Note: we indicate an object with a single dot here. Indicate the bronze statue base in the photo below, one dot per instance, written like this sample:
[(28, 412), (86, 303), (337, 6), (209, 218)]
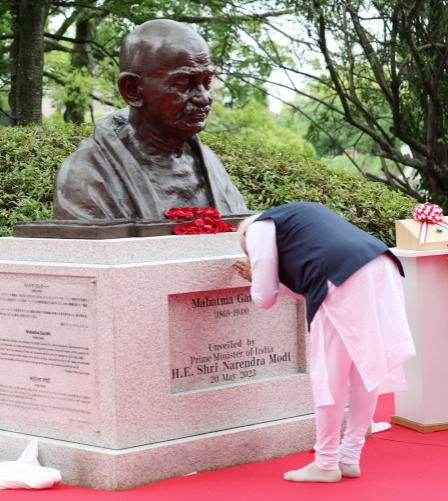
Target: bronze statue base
[(101, 229)]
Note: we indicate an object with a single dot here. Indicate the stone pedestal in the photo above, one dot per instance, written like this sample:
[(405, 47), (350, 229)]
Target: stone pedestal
[(424, 407), (138, 359)]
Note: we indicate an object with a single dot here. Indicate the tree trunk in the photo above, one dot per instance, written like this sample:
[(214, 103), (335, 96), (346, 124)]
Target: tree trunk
[(27, 60)]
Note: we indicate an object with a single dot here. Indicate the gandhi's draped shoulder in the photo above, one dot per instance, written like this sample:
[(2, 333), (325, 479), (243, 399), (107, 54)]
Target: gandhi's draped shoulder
[(102, 180)]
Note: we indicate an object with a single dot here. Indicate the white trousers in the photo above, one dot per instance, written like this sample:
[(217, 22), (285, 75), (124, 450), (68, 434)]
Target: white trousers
[(345, 381), (359, 340)]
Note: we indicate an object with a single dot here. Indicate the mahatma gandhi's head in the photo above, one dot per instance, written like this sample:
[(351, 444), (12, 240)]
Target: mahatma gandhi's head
[(166, 74)]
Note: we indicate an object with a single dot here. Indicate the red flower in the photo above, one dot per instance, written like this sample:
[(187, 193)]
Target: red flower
[(208, 212), (204, 221), (187, 229), (180, 213)]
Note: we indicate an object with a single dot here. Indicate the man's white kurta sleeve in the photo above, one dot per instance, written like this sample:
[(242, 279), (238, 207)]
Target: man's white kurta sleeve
[(263, 255)]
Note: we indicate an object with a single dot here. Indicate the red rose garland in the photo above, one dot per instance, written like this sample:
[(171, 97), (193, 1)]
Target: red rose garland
[(428, 214), (203, 221)]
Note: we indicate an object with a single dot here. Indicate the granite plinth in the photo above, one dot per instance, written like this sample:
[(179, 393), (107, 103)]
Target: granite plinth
[(107, 469), (133, 360)]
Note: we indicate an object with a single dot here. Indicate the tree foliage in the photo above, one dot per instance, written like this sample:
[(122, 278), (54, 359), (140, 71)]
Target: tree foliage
[(254, 124), (384, 77), (89, 34), (368, 73)]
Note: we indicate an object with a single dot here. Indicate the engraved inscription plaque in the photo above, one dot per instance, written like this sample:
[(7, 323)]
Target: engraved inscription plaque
[(48, 350), (221, 337)]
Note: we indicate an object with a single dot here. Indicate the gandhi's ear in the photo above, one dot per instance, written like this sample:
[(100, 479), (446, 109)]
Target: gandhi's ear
[(129, 85)]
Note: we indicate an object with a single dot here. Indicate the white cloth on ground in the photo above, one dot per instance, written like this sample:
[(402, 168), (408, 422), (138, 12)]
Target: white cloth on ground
[(26, 472)]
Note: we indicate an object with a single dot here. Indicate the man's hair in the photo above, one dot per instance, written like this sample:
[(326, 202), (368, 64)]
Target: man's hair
[(243, 227)]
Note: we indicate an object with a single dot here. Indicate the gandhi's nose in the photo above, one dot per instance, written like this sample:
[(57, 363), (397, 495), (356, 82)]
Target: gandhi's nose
[(202, 96)]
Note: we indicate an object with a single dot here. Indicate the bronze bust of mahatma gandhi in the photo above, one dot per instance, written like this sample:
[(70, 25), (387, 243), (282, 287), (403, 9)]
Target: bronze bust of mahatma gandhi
[(145, 160)]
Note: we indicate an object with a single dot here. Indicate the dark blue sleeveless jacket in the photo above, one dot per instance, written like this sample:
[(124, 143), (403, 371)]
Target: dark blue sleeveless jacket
[(315, 245)]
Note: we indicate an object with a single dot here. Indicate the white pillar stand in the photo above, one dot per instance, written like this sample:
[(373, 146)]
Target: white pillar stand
[(424, 407)]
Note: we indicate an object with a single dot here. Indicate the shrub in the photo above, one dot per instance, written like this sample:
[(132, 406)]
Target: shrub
[(30, 157), (267, 178)]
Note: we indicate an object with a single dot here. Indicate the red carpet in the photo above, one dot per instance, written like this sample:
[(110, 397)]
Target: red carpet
[(397, 464)]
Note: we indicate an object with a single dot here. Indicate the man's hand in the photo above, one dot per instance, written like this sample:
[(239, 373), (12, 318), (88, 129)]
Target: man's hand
[(242, 266)]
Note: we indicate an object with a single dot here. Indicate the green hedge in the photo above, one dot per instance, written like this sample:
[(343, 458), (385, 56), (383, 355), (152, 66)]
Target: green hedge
[(29, 160), (268, 178), (30, 157)]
